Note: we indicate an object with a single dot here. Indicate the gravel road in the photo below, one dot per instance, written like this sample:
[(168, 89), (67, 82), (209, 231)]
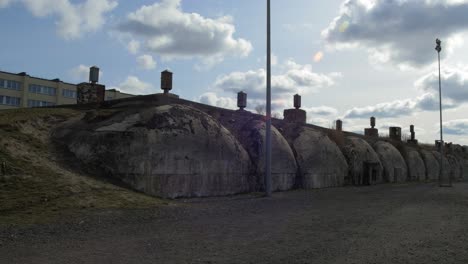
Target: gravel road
[(406, 223)]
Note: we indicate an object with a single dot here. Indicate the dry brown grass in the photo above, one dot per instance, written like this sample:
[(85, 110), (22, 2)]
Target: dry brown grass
[(36, 188)]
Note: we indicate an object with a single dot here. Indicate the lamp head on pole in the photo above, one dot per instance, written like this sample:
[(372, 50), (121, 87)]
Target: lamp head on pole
[(438, 47)]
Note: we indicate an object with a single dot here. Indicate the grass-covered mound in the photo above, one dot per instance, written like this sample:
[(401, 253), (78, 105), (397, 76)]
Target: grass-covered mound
[(35, 185)]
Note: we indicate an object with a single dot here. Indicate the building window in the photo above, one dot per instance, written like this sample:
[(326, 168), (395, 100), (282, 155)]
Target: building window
[(108, 98), (39, 89), (9, 100), (36, 103), (69, 93), (12, 85)]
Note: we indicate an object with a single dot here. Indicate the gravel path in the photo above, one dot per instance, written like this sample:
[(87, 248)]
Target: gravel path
[(408, 223)]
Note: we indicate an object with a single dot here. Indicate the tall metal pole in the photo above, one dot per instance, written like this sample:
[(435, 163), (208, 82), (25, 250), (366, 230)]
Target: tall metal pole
[(268, 109), (441, 184), (441, 131)]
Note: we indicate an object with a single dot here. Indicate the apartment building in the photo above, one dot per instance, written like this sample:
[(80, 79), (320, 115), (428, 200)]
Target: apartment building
[(21, 90)]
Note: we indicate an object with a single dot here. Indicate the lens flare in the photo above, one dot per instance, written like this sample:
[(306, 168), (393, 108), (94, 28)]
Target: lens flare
[(344, 26), (318, 56)]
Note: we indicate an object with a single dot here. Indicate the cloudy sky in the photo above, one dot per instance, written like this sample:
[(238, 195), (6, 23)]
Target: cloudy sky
[(348, 59)]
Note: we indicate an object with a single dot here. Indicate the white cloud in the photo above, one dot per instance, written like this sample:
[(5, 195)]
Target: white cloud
[(173, 34), (80, 73), (133, 85), (402, 32), (385, 126), (388, 109), (146, 62), (74, 18), (418, 131), (321, 111), (4, 3), (214, 100), (454, 83), (320, 121), (274, 60), (295, 78), (133, 46), (456, 127), (399, 108)]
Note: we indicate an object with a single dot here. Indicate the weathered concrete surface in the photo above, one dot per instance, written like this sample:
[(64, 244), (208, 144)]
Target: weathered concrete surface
[(447, 169), (394, 165), (295, 116), (432, 165), (358, 152), (119, 141), (168, 151), (283, 164), (249, 129), (465, 169), (320, 162), (90, 93), (416, 166), (456, 169)]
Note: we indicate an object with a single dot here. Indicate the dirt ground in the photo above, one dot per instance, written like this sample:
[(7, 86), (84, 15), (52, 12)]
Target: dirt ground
[(406, 223)]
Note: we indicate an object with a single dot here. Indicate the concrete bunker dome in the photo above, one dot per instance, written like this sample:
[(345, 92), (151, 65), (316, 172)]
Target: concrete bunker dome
[(446, 164), (320, 161), (364, 165), (465, 169), (394, 165), (432, 165), (456, 167), (464, 166), (416, 165), (168, 151), (283, 166)]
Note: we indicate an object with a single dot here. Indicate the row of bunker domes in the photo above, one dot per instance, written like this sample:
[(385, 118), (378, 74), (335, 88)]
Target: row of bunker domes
[(175, 151)]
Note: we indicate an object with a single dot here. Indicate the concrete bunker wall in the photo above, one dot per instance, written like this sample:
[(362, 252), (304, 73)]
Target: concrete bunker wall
[(464, 163), (320, 162), (416, 165), (364, 165), (168, 151), (251, 134), (189, 149), (446, 164), (394, 165), (432, 165), (456, 168)]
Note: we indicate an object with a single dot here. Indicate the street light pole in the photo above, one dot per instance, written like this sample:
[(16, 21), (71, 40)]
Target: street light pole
[(441, 184), (268, 109)]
